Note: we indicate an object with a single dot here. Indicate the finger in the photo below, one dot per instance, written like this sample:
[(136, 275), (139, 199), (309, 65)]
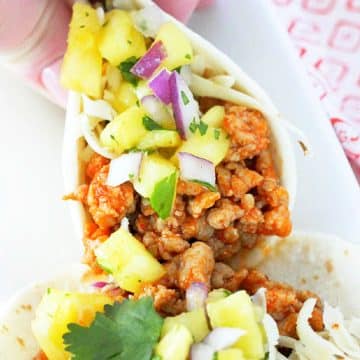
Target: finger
[(50, 78), (205, 3), (182, 10)]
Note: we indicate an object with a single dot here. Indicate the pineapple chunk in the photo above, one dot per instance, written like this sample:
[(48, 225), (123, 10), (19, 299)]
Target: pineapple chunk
[(237, 311), (160, 139), (124, 97), (175, 345), (212, 146), (214, 116), (230, 354), (217, 294), (118, 39), (195, 321), (127, 259), (154, 168), (56, 310), (178, 47), (125, 131), (82, 65)]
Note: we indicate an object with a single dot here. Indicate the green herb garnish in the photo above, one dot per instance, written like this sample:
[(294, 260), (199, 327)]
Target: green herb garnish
[(112, 137), (206, 184), (184, 98), (188, 56), (217, 134), (150, 124), (202, 127), (127, 330), (125, 68), (129, 42), (163, 196), (193, 126)]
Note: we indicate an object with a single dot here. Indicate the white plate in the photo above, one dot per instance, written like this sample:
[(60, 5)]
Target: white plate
[(35, 230)]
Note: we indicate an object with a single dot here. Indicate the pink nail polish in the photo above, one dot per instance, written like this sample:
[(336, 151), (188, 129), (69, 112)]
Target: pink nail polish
[(51, 81)]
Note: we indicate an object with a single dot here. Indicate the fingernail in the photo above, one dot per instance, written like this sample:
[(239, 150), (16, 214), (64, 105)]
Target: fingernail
[(50, 79)]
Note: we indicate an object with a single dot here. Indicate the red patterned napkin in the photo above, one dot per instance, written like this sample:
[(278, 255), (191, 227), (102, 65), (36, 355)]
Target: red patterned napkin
[(327, 36)]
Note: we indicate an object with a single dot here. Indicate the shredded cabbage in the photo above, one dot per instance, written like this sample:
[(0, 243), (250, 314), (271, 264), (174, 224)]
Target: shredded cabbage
[(334, 324), (98, 108)]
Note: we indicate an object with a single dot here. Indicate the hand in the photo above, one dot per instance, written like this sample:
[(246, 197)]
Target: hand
[(33, 37)]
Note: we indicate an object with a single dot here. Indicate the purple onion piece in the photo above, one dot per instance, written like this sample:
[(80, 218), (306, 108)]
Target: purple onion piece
[(147, 65), (196, 296), (100, 284), (185, 107), (161, 87), (201, 351), (156, 109), (196, 168), (124, 168)]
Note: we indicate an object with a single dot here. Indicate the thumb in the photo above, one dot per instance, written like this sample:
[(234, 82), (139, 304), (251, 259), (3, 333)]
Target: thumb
[(33, 39)]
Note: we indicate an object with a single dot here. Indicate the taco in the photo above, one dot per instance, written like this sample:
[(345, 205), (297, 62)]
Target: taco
[(257, 318), (165, 133)]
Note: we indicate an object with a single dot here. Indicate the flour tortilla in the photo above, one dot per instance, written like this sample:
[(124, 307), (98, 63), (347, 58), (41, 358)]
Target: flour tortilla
[(321, 263), (74, 143)]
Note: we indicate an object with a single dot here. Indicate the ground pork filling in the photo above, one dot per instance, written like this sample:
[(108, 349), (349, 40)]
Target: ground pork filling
[(205, 228)]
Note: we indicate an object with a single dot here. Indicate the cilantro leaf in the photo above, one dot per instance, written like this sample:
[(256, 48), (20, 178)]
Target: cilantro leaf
[(150, 124), (127, 330), (193, 126), (206, 184), (184, 98), (163, 196), (202, 127), (216, 134), (125, 68)]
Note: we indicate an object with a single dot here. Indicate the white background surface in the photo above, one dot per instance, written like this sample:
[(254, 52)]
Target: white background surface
[(36, 236)]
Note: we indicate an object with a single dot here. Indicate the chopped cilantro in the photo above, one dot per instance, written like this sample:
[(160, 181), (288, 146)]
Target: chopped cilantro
[(266, 356), (82, 26), (129, 42), (198, 125), (125, 68), (143, 25), (184, 98), (193, 126), (202, 127), (188, 56), (206, 184), (112, 137), (48, 290), (137, 103), (216, 134), (131, 176), (163, 196), (215, 356), (127, 330), (150, 124), (87, 14), (178, 69)]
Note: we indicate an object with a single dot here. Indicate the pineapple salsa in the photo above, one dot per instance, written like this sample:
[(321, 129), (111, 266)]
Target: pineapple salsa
[(179, 177)]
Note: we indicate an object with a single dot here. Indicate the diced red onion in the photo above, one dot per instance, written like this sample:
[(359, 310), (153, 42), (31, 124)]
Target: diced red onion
[(196, 296), (161, 87), (201, 351), (124, 168), (185, 107), (196, 168), (156, 109), (223, 337), (147, 65), (100, 284)]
